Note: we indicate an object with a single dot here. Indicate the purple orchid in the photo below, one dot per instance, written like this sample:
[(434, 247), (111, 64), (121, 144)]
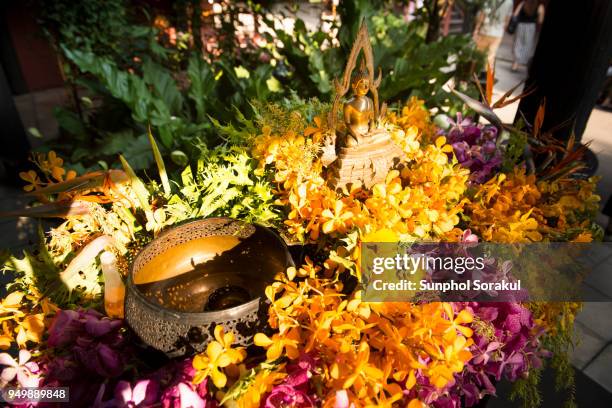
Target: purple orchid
[(182, 395), (95, 340), (475, 147), (288, 396), (70, 325)]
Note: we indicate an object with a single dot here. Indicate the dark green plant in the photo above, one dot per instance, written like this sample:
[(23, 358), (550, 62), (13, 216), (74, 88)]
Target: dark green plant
[(181, 94), (179, 117), (410, 65)]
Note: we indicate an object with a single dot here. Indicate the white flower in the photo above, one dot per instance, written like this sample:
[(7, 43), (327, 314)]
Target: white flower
[(26, 371)]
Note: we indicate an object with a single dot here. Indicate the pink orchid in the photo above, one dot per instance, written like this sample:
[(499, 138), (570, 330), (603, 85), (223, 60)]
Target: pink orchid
[(143, 394), (25, 371)]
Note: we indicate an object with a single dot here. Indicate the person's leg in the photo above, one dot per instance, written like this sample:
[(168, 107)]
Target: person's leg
[(482, 42), (515, 46), (492, 52), (489, 46)]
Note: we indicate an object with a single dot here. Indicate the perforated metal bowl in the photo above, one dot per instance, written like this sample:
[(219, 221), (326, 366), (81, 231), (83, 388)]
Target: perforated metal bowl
[(202, 274)]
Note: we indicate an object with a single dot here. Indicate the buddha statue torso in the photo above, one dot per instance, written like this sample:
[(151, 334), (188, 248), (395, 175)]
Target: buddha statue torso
[(358, 113)]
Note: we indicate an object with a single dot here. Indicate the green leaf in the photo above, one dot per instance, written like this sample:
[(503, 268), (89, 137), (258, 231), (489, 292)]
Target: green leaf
[(137, 185), (136, 150), (179, 158), (274, 85), (203, 83), (164, 85), (70, 122), (161, 167), (35, 132)]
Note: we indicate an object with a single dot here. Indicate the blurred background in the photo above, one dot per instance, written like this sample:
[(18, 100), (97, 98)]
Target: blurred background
[(87, 78)]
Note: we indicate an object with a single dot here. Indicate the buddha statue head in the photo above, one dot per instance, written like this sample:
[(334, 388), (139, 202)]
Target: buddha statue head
[(361, 81)]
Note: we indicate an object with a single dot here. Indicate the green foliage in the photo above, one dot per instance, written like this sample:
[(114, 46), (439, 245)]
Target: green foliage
[(152, 98), (224, 184), (410, 65), (190, 100), (179, 116), (517, 141), (39, 269), (105, 27), (527, 390)]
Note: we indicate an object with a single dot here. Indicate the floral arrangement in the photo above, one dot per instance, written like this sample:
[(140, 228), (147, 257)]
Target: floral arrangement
[(324, 345)]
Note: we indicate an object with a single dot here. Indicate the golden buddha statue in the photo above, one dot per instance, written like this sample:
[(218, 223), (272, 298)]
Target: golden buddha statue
[(361, 151), (358, 110)]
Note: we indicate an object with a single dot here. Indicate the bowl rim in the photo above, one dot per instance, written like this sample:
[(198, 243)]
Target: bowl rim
[(200, 317)]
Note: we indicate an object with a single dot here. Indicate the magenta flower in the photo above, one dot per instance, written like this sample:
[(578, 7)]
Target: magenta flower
[(287, 396), (143, 394), (99, 358), (295, 391), (178, 390), (24, 370), (182, 395), (95, 341), (69, 325), (475, 147)]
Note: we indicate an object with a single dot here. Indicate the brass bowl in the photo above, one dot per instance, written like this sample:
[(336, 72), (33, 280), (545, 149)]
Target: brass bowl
[(202, 274)]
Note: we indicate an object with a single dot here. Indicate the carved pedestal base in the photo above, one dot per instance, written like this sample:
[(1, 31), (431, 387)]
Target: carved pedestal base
[(366, 164)]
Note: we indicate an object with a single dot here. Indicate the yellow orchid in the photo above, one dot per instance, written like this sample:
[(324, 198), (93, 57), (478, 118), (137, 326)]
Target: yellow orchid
[(11, 304), (32, 178), (219, 354), (6, 337), (338, 220), (365, 348), (258, 387), (287, 342), (31, 328)]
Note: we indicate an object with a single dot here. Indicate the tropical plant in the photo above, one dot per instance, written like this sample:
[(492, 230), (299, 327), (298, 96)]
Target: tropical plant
[(177, 92)]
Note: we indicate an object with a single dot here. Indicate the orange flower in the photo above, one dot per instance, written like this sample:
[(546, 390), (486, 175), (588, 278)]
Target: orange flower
[(275, 346), (365, 348), (32, 178)]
